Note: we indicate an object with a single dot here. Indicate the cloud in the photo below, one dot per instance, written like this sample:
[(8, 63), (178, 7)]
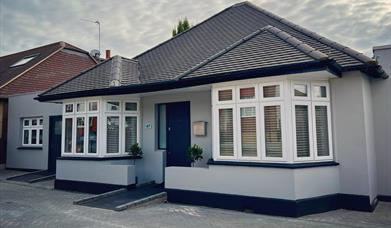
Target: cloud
[(129, 27)]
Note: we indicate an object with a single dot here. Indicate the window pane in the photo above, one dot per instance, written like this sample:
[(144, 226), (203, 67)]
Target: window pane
[(302, 131), (162, 126), (300, 90), (26, 137), (79, 134), (69, 108), (322, 131), (33, 137), (34, 122), (226, 132), (41, 122), (40, 136), (80, 107), (26, 122), (319, 91), (113, 106), (93, 106), (273, 135), (92, 134), (248, 131), (130, 106), (68, 135), (112, 134), (247, 93), (271, 91), (130, 132), (225, 95)]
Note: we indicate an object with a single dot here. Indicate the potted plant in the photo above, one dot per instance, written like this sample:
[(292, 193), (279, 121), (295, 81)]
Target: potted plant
[(136, 151), (194, 153)]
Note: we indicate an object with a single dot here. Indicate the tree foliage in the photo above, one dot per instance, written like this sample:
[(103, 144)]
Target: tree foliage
[(182, 26)]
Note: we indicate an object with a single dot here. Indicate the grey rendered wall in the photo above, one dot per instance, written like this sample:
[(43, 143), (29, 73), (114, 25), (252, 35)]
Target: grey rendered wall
[(291, 184), (381, 100), (151, 167), (353, 133), (21, 106), (118, 172)]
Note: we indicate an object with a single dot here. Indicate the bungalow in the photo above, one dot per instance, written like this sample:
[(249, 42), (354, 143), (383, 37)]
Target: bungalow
[(284, 117), (23, 76)]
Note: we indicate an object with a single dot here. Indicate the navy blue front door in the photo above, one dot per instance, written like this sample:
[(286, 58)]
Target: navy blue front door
[(178, 133), (54, 141)]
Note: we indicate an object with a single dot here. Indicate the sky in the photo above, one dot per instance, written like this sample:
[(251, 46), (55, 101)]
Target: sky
[(129, 27)]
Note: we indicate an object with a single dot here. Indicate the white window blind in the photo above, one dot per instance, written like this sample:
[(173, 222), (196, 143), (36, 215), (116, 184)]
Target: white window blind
[(225, 95), (248, 128), (112, 134), (322, 132), (273, 134), (302, 131), (80, 135), (226, 132), (271, 91), (130, 132), (247, 93)]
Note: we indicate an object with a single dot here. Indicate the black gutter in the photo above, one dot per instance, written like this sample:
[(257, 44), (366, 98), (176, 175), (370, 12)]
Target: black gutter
[(312, 66)]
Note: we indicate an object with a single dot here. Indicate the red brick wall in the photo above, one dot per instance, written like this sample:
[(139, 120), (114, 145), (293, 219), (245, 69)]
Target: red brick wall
[(60, 67)]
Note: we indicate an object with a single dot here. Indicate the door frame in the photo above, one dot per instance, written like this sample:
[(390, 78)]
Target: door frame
[(51, 122)]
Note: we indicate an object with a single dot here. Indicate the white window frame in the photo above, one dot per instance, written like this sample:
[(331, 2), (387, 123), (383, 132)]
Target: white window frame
[(330, 156), (73, 108), (310, 131), (217, 132), (123, 130), (327, 98), (132, 111), (282, 89), (111, 111), (308, 97), (216, 95), (120, 151), (255, 99), (88, 106), (283, 131), (239, 131), (30, 128), (85, 131), (88, 132), (73, 146)]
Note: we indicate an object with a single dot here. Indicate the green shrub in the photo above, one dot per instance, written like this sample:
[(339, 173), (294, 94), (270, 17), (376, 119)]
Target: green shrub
[(135, 150), (194, 153)]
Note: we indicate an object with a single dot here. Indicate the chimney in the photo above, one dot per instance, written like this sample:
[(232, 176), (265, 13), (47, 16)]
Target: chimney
[(108, 54), (116, 71)]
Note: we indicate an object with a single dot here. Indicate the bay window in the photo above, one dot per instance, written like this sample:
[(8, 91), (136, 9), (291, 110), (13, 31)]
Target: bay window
[(287, 121), (100, 128), (32, 132)]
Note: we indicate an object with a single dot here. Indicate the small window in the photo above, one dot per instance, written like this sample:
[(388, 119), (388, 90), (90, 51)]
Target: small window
[(24, 60), (80, 107), (130, 132), (247, 93), (319, 91), (93, 106), (271, 91), (32, 132), (80, 135), (302, 122), (113, 106), (130, 106), (248, 132), (226, 131), (69, 108), (273, 131), (225, 95), (322, 131), (300, 90)]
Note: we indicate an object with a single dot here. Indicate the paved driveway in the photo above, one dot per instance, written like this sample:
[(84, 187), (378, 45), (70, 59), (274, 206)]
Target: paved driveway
[(35, 206)]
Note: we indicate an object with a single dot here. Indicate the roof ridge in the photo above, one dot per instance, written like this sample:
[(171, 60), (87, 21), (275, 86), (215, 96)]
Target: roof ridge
[(298, 44), (219, 53), (351, 52), (46, 45), (188, 30)]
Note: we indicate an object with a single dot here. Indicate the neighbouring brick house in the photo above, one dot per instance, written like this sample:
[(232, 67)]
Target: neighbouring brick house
[(22, 76)]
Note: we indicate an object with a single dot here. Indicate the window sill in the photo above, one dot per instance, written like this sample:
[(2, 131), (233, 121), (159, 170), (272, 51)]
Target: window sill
[(274, 165), (98, 158), (30, 148)]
